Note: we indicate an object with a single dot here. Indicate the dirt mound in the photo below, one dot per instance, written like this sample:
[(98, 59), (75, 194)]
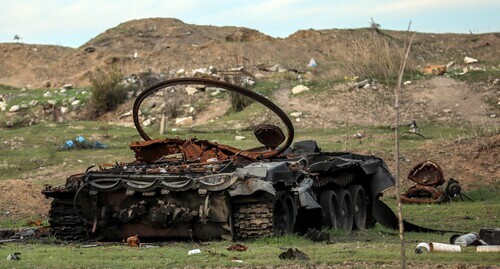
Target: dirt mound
[(165, 45)]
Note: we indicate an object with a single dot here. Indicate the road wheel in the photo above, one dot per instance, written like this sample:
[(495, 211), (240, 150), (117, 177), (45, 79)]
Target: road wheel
[(330, 205), (359, 206), (346, 210), (285, 214)]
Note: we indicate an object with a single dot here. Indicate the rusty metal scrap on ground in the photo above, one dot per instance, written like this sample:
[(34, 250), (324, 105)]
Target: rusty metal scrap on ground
[(429, 188)]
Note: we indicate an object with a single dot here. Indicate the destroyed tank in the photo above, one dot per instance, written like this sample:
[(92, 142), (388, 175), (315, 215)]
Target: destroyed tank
[(197, 189)]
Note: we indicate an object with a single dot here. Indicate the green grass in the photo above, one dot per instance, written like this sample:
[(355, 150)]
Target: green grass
[(369, 248)]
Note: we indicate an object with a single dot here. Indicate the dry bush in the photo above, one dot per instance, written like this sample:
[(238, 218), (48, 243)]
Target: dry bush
[(377, 55), (108, 92)]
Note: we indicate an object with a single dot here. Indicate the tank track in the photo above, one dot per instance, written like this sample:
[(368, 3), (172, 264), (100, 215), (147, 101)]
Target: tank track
[(66, 221), (253, 220), (342, 180)]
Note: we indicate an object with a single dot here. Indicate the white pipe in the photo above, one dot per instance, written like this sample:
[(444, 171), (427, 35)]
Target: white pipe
[(495, 248), (422, 248), (439, 247)]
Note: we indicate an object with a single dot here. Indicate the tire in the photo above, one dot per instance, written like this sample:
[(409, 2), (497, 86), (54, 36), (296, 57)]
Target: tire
[(359, 206), (285, 215), (330, 209), (345, 210)]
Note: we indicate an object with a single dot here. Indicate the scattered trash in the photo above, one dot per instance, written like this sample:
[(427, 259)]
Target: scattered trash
[(422, 248), (488, 248), (237, 247), (470, 60), (184, 120), (296, 114), (236, 260), (81, 143), (88, 246), (133, 241), (14, 257), (449, 65), (440, 247), (361, 84), (312, 63), (406, 83), (465, 240), (435, 70), (194, 251), (292, 254)]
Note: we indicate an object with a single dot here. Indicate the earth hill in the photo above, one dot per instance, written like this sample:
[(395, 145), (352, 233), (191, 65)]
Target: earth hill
[(165, 45)]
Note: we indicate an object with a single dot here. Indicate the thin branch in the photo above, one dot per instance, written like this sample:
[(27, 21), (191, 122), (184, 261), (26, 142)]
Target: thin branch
[(400, 211)]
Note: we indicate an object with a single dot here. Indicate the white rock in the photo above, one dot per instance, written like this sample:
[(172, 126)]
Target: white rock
[(33, 103), (64, 109), (367, 86), (84, 92), (469, 60), (51, 102), (450, 64), (47, 94), (190, 90), (75, 103), (239, 138), (447, 110), (67, 86), (299, 88), (181, 71), (191, 110), (406, 83), (72, 99), (130, 94), (146, 122), (63, 90), (184, 120), (24, 106), (297, 119), (493, 115), (214, 93), (14, 108), (296, 114), (126, 114)]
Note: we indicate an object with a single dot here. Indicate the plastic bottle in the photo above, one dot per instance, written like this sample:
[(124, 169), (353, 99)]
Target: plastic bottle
[(466, 239)]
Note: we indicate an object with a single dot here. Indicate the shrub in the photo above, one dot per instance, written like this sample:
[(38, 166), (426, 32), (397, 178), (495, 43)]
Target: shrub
[(108, 92)]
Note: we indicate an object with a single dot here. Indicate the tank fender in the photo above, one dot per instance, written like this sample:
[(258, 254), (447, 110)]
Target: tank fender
[(249, 186), (306, 198), (370, 166)]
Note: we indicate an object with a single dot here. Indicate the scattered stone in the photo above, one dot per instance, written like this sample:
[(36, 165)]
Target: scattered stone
[(33, 103), (89, 49), (470, 60), (191, 110), (450, 64), (292, 254), (447, 110), (47, 95), (214, 93), (64, 109), (75, 103), (72, 99), (67, 86), (130, 94), (496, 81), (406, 83), (493, 115), (180, 71), (24, 106), (14, 108), (63, 90), (84, 92), (3, 106), (126, 114), (299, 88), (297, 120), (190, 90), (278, 68), (146, 123), (367, 86), (296, 114), (239, 138), (184, 120)]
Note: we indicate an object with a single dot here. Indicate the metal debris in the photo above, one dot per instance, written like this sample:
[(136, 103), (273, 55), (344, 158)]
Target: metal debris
[(237, 247), (293, 254), (133, 241), (429, 178)]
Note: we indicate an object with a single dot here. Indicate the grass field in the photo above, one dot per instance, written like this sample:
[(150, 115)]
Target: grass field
[(25, 151)]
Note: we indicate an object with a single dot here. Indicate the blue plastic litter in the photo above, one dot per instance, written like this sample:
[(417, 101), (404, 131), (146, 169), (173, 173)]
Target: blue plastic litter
[(99, 145), (69, 144), (80, 139)]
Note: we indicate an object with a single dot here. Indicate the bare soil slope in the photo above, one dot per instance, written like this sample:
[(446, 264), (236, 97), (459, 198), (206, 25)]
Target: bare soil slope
[(162, 45)]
